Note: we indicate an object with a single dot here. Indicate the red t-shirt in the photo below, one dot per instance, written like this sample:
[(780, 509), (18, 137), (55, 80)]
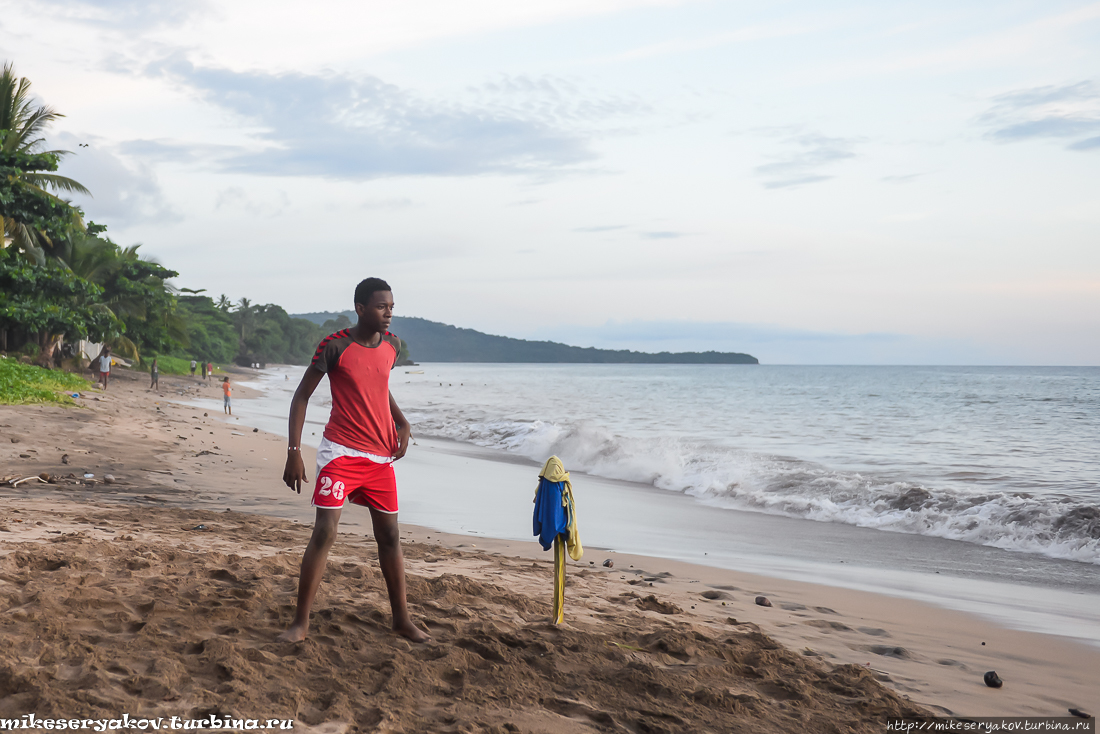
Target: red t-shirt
[(359, 378)]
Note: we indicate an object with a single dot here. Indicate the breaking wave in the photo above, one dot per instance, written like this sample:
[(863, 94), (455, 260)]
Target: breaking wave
[(1054, 526)]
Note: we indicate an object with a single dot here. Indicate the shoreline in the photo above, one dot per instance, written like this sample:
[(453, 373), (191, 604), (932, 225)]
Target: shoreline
[(927, 653), (1023, 591)]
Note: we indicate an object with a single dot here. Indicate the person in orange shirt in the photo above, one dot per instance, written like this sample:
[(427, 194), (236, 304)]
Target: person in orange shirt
[(228, 405), (209, 370)]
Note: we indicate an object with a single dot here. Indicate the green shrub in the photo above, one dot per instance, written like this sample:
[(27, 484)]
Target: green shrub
[(23, 384)]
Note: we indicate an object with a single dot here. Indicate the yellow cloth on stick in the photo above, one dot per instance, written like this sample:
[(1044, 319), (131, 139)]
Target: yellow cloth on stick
[(554, 471)]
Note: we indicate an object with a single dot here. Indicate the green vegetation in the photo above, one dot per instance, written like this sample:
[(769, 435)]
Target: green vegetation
[(167, 365), (62, 280), (34, 219), (24, 384)]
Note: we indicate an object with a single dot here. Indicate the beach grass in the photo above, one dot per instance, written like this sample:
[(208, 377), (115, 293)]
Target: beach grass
[(24, 384)]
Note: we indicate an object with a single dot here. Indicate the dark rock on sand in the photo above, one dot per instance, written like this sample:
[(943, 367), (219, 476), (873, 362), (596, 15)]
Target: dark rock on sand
[(763, 601), (1080, 713), (609, 563), (993, 680)]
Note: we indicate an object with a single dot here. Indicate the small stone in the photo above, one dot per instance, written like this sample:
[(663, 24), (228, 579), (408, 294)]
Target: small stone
[(609, 563), (992, 679), (24, 456), (204, 415), (44, 477), (15, 440), (64, 458), (108, 479), (763, 601), (255, 430), (1080, 714)]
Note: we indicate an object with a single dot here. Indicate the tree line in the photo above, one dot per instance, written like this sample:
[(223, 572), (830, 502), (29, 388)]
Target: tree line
[(63, 279)]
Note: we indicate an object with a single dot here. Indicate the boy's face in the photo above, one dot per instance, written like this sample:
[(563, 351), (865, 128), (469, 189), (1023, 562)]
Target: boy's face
[(376, 314)]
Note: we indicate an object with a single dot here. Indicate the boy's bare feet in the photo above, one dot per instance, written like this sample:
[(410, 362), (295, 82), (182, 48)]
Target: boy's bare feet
[(410, 632), (294, 633)]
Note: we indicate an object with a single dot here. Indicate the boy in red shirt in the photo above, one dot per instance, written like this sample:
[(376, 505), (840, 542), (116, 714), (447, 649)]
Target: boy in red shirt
[(366, 433)]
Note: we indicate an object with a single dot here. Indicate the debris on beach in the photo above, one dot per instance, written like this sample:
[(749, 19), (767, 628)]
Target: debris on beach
[(763, 601), (609, 563), (64, 458), (1081, 714), (993, 680)]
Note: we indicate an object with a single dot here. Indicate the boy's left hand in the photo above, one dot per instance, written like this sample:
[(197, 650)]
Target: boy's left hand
[(404, 434)]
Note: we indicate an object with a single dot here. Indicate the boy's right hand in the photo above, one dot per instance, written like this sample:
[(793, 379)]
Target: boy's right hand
[(295, 472)]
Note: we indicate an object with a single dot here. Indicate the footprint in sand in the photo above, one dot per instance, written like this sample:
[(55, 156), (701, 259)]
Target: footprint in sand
[(827, 625)]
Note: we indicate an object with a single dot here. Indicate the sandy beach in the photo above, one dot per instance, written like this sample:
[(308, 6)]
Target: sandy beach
[(160, 592)]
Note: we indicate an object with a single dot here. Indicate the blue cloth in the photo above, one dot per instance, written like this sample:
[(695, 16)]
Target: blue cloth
[(551, 519)]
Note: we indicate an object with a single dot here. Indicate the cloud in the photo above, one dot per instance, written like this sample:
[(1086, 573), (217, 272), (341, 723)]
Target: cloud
[(234, 198), (556, 101), (122, 194), (1064, 112), (387, 204), (902, 179), (360, 127), (601, 228), (812, 152), (128, 14), (662, 235)]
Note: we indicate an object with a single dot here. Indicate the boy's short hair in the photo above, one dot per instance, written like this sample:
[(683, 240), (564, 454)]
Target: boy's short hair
[(367, 287)]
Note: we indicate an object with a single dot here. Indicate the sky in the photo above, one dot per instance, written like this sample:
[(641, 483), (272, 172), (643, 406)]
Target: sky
[(809, 182)]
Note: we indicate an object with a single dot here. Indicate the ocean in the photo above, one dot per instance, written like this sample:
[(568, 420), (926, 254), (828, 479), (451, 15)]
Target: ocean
[(1004, 457), (976, 488)]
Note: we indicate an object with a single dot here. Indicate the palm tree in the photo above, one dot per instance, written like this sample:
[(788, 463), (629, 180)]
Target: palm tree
[(246, 314), (224, 304), (21, 126), (99, 261)]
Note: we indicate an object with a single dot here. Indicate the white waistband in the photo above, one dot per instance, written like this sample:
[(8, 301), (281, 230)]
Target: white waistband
[(328, 450)]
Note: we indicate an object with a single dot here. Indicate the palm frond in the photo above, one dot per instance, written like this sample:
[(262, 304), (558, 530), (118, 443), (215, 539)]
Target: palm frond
[(56, 182)]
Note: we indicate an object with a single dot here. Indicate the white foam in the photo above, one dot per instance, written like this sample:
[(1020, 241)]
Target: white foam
[(1058, 527)]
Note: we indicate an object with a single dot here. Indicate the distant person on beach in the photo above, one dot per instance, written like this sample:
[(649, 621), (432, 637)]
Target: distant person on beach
[(194, 365), (365, 434), (203, 370), (154, 382), (227, 404), (102, 364), (209, 370)]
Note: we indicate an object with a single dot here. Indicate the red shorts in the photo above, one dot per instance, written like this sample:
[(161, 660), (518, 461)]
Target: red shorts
[(360, 481)]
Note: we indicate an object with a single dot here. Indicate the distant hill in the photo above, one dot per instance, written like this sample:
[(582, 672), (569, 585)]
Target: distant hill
[(431, 341)]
